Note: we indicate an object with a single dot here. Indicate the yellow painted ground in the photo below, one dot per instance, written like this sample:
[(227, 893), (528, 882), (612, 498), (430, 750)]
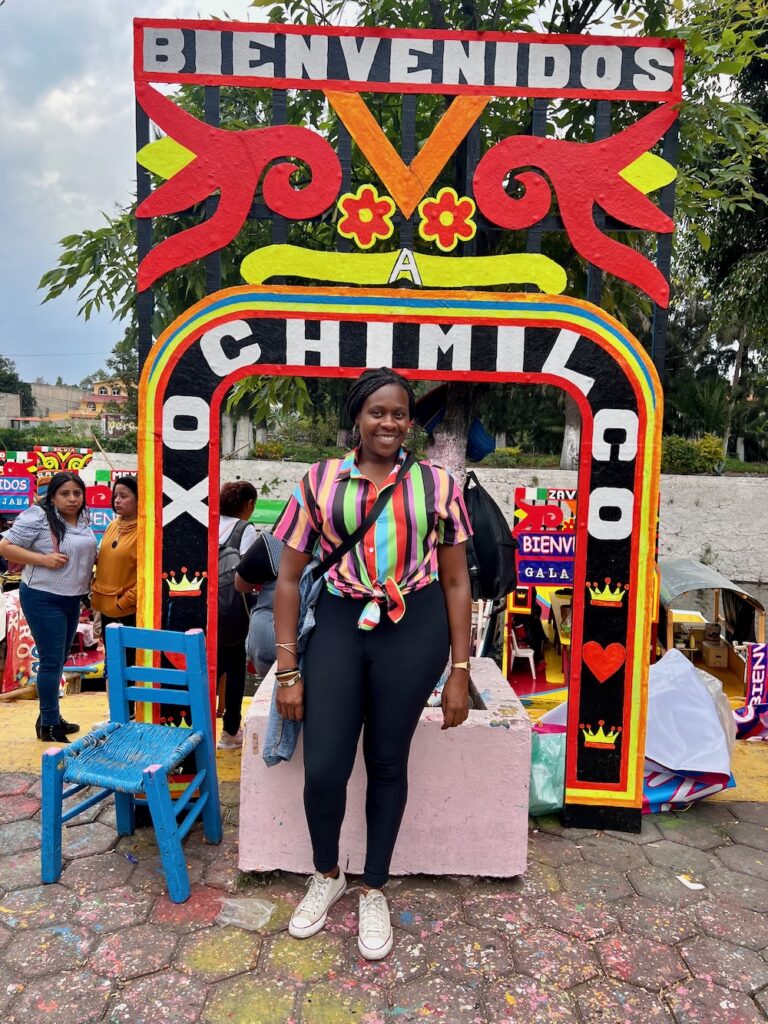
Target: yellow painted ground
[(21, 750)]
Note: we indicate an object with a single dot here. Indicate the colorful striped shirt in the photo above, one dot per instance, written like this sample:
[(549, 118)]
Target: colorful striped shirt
[(399, 552)]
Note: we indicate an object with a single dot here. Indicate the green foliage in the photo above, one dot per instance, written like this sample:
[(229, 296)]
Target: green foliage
[(504, 458), (23, 440), (682, 456), (12, 384), (271, 450)]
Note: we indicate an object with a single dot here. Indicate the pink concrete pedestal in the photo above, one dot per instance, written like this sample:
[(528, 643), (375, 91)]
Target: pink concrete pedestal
[(467, 810)]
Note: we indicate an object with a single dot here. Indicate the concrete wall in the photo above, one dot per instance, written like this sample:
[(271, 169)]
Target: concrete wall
[(56, 398), (10, 408), (719, 520)]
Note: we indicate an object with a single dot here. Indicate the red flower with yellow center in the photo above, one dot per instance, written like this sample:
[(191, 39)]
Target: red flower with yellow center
[(447, 219), (366, 216)]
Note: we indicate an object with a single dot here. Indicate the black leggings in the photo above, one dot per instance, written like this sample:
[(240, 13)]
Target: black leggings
[(231, 662), (378, 681)]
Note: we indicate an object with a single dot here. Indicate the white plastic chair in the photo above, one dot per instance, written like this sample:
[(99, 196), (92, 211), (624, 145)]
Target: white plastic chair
[(523, 652)]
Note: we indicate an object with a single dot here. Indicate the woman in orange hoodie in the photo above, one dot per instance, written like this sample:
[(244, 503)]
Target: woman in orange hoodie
[(114, 585)]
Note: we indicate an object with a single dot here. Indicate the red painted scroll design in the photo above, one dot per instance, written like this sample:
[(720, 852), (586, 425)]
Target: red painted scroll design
[(231, 163), (582, 175)]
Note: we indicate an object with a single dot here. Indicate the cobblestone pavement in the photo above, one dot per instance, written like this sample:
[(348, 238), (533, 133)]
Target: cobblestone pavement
[(600, 929)]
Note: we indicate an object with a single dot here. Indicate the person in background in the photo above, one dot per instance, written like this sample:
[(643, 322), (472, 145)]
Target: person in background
[(236, 504), (114, 585), (392, 609), (57, 548)]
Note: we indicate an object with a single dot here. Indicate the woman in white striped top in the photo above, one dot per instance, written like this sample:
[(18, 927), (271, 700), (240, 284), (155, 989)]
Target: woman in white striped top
[(57, 548)]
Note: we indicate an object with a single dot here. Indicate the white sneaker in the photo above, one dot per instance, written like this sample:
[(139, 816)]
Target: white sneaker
[(227, 742), (375, 937), (310, 915)]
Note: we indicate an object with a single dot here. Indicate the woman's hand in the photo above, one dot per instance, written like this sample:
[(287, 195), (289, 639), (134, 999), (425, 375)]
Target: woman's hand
[(290, 701), (56, 560), (455, 699)]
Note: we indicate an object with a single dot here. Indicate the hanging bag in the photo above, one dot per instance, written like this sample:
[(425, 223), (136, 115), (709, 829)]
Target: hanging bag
[(491, 548)]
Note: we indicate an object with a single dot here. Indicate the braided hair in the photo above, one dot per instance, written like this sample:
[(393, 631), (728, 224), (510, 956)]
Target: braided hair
[(55, 521), (370, 381)]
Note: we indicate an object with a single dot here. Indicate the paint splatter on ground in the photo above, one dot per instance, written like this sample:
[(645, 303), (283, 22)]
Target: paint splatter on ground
[(599, 930)]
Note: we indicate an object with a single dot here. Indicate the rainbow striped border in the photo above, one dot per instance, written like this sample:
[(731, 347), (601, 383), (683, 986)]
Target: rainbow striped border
[(439, 306)]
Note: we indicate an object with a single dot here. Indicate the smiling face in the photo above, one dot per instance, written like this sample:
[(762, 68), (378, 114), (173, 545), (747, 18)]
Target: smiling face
[(384, 421), (69, 500), (124, 501)]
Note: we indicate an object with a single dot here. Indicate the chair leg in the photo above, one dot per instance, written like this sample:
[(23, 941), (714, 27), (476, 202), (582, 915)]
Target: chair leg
[(53, 789), (533, 667), (211, 815), (167, 832), (125, 813)]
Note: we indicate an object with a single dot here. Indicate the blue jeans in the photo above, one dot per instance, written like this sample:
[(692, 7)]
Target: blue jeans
[(53, 621)]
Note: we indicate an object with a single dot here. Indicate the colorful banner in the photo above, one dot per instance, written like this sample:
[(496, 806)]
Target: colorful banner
[(545, 520), (17, 488), (751, 719)]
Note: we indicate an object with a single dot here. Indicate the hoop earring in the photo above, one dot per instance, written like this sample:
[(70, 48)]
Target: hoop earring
[(356, 434)]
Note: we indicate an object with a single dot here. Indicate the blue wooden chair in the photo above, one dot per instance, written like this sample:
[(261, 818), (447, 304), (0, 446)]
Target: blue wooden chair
[(127, 758)]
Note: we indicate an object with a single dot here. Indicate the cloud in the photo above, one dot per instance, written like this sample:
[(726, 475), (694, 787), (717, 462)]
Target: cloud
[(67, 125)]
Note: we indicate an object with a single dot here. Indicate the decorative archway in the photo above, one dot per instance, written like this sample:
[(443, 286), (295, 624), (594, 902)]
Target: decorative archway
[(435, 335)]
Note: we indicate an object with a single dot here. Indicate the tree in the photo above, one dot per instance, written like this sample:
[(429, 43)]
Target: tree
[(733, 270), (12, 384), (720, 139)]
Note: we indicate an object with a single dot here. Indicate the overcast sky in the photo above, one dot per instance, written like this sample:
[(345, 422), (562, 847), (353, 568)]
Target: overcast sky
[(66, 154)]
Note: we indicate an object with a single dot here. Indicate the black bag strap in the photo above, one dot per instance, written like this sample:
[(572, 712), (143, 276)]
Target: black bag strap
[(233, 540), (355, 538)]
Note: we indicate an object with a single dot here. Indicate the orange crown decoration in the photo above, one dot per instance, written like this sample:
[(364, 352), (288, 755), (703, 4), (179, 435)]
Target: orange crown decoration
[(186, 586), (608, 597), (601, 740)]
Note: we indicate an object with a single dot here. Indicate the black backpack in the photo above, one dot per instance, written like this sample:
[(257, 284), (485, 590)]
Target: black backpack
[(233, 607), (491, 549)]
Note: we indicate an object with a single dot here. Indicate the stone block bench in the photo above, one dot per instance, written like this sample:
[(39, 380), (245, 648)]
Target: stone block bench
[(467, 810)]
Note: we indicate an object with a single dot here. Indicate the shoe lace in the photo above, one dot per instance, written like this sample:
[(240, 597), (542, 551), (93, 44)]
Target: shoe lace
[(317, 890), (374, 914)]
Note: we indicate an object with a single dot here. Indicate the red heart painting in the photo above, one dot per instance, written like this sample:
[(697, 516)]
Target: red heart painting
[(601, 661)]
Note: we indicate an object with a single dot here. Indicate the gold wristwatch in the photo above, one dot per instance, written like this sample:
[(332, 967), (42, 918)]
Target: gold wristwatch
[(460, 664)]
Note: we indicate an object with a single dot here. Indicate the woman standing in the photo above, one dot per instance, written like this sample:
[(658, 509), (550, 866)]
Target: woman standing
[(57, 548), (114, 586), (392, 608)]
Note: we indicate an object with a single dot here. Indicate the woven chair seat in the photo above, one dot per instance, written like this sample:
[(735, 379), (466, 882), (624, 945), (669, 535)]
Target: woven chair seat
[(118, 761)]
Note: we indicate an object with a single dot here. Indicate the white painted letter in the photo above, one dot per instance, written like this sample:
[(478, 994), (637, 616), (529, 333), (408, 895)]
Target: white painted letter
[(163, 49), (359, 55), (378, 340), (618, 500), (192, 438), (298, 345), (615, 419), (462, 65), (505, 65), (559, 356), (652, 60), (510, 349), (434, 340), (219, 362), (207, 52), (601, 67), (403, 59), (306, 54), (549, 66), (246, 54)]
